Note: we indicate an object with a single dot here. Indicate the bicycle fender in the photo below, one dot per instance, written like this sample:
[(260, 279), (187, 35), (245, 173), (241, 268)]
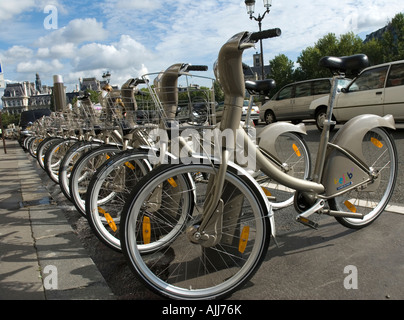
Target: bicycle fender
[(268, 136), (339, 171)]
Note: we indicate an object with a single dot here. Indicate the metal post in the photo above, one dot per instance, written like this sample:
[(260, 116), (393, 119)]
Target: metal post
[(2, 132), (59, 93)]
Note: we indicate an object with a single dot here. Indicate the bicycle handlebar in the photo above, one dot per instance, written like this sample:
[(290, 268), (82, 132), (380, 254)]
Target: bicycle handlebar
[(266, 34), (196, 68)]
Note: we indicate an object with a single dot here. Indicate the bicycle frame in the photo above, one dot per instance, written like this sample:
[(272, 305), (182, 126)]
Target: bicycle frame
[(328, 163)]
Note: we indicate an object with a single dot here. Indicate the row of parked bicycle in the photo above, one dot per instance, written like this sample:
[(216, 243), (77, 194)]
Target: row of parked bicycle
[(191, 211)]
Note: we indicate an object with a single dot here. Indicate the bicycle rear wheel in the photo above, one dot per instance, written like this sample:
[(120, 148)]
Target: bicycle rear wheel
[(293, 158), (380, 154), (176, 266)]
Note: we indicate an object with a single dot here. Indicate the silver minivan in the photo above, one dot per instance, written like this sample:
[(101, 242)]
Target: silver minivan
[(377, 90), (292, 102)]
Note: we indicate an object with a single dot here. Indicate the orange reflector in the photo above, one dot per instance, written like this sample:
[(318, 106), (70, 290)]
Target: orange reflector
[(146, 230), (376, 142), (267, 192), (107, 156), (129, 165), (350, 206), (109, 219), (297, 151), (243, 239), (172, 182)]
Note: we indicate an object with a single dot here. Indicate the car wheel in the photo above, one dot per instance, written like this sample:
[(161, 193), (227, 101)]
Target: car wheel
[(269, 117), (321, 116)]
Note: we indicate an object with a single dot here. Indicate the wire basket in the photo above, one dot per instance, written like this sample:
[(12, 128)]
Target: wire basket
[(188, 100)]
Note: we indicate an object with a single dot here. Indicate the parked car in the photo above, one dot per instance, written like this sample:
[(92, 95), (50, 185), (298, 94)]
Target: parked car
[(376, 90), (254, 115), (292, 102)]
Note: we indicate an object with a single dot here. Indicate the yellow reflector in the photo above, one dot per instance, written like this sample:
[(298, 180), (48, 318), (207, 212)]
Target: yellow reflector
[(243, 239), (297, 151), (110, 222), (376, 142), (109, 219), (267, 192), (107, 156), (350, 206), (146, 230), (129, 165), (172, 182), (57, 149)]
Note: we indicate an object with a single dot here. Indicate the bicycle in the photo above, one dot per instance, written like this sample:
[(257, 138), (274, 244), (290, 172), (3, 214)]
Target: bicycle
[(113, 181), (229, 221)]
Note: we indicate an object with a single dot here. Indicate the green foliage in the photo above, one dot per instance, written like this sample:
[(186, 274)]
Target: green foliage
[(10, 119), (282, 71)]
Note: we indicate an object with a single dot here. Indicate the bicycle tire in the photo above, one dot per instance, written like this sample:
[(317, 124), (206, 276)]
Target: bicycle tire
[(83, 171), (293, 157), (43, 147), (54, 155), (107, 192), (69, 161), (380, 153), (178, 252)]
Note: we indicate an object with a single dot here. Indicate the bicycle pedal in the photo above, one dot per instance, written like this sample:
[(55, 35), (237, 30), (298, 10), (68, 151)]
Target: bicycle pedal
[(307, 222)]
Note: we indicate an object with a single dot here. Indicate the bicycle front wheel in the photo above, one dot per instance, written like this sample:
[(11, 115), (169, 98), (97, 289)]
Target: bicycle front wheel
[(108, 190), (84, 170), (178, 267), (380, 154)]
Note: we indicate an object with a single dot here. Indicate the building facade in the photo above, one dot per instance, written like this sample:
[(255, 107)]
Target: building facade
[(24, 96)]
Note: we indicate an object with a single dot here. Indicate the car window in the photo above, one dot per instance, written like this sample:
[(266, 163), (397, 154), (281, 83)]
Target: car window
[(370, 79), (396, 75), (303, 90), (286, 93), (321, 87)]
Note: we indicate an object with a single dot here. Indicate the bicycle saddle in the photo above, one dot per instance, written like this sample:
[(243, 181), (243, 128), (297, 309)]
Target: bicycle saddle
[(342, 64), (260, 86)]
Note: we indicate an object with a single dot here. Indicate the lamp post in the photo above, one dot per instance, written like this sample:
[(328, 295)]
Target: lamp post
[(250, 6)]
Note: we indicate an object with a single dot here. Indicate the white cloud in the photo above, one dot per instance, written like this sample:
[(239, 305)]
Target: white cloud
[(39, 66), (66, 50), (77, 31), (15, 54), (147, 5), (9, 9)]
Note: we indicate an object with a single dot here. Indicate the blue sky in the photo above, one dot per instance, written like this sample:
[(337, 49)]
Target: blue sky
[(133, 37)]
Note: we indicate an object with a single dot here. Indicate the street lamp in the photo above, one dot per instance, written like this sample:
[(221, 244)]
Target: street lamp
[(250, 6)]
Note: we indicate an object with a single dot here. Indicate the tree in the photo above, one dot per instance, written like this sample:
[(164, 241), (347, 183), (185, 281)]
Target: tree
[(347, 44), (393, 39), (282, 71), (8, 119), (374, 50)]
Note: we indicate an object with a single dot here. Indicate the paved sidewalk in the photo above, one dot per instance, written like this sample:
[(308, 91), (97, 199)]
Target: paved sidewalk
[(41, 258)]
